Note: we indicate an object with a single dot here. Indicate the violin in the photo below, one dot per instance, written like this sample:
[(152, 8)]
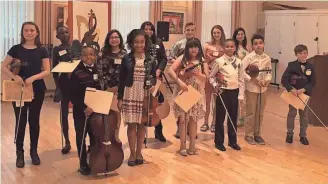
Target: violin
[(186, 72), (218, 82), (16, 66), (107, 154), (154, 108), (254, 71)]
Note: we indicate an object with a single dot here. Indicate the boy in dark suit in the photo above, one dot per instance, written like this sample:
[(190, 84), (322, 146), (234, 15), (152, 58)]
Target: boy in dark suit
[(298, 78), (85, 75)]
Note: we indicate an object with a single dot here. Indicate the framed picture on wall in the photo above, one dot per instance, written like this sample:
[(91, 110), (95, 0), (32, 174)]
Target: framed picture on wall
[(90, 22), (176, 21), (61, 15)]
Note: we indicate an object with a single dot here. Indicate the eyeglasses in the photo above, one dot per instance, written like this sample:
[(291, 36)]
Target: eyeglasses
[(114, 37)]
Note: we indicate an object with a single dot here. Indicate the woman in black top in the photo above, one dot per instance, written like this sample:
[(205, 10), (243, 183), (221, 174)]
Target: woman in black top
[(158, 47), (31, 52), (110, 62)]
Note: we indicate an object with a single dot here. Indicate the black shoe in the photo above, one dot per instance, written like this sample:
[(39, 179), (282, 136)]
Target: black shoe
[(20, 163), (259, 140), (66, 149), (220, 147), (234, 146), (304, 141), (139, 161), (85, 169), (159, 135), (177, 134), (131, 163), (35, 157), (289, 139)]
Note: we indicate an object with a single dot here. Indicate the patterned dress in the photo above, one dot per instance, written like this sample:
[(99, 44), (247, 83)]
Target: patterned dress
[(242, 52), (109, 67), (196, 112), (134, 96)]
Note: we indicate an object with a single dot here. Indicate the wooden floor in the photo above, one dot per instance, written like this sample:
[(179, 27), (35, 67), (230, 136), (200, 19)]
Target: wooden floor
[(276, 162)]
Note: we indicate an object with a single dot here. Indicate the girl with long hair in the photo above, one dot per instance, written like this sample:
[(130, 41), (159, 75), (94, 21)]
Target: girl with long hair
[(193, 55), (213, 50), (31, 52), (131, 91)]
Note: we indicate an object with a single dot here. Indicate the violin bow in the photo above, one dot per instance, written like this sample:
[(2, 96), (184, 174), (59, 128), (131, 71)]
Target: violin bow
[(82, 141), (312, 112), (20, 112), (233, 126), (219, 94)]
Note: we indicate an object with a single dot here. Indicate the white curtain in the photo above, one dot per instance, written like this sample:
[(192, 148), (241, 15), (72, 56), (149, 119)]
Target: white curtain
[(129, 15), (13, 14), (215, 12)]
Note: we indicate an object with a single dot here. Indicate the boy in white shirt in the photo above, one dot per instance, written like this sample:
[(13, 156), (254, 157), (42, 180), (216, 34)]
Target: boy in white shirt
[(230, 67), (178, 47), (256, 88)]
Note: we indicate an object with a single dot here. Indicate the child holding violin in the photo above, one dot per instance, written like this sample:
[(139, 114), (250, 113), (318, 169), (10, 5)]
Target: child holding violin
[(31, 52), (230, 67), (137, 68), (84, 75), (193, 55)]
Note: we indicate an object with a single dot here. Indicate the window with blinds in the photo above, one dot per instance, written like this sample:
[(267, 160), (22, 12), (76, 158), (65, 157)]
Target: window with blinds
[(12, 15)]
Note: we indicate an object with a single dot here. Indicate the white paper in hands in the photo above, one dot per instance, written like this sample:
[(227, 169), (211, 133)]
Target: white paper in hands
[(187, 99), (98, 101), (66, 67), (294, 100), (12, 92)]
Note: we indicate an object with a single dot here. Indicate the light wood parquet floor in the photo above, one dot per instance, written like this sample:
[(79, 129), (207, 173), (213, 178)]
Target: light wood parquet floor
[(276, 162)]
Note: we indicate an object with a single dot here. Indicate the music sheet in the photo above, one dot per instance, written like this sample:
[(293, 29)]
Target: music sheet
[(187, 99), (98, 101), (294, 100), (66, 67), (12, 92)]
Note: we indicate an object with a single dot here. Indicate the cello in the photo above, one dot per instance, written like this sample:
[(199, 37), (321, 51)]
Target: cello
[(154, 109), (107, 154)]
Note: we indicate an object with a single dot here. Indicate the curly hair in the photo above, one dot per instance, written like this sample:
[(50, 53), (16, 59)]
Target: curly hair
[(132, 36)]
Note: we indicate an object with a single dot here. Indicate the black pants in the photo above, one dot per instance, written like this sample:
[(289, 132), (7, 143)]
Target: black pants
[(33, 117), (64, 116), (230, 98), (64, 87), (79, 122), (159, 127)]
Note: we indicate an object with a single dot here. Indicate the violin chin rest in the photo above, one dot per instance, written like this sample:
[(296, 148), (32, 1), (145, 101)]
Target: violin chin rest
[(107, 143)]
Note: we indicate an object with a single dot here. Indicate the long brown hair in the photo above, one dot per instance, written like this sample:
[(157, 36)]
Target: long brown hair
[(37, 41), (223, 37)]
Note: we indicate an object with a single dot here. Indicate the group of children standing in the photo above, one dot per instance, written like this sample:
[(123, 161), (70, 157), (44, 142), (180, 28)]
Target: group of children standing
[(127, 75), (232, 58)]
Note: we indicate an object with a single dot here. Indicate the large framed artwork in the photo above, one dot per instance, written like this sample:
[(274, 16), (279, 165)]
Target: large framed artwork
[(176, 21), (61, 15), (90, 22)]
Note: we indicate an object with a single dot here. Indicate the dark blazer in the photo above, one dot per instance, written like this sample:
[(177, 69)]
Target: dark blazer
[(161, 55), (81, 78), (127, 72), (294, 77)]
